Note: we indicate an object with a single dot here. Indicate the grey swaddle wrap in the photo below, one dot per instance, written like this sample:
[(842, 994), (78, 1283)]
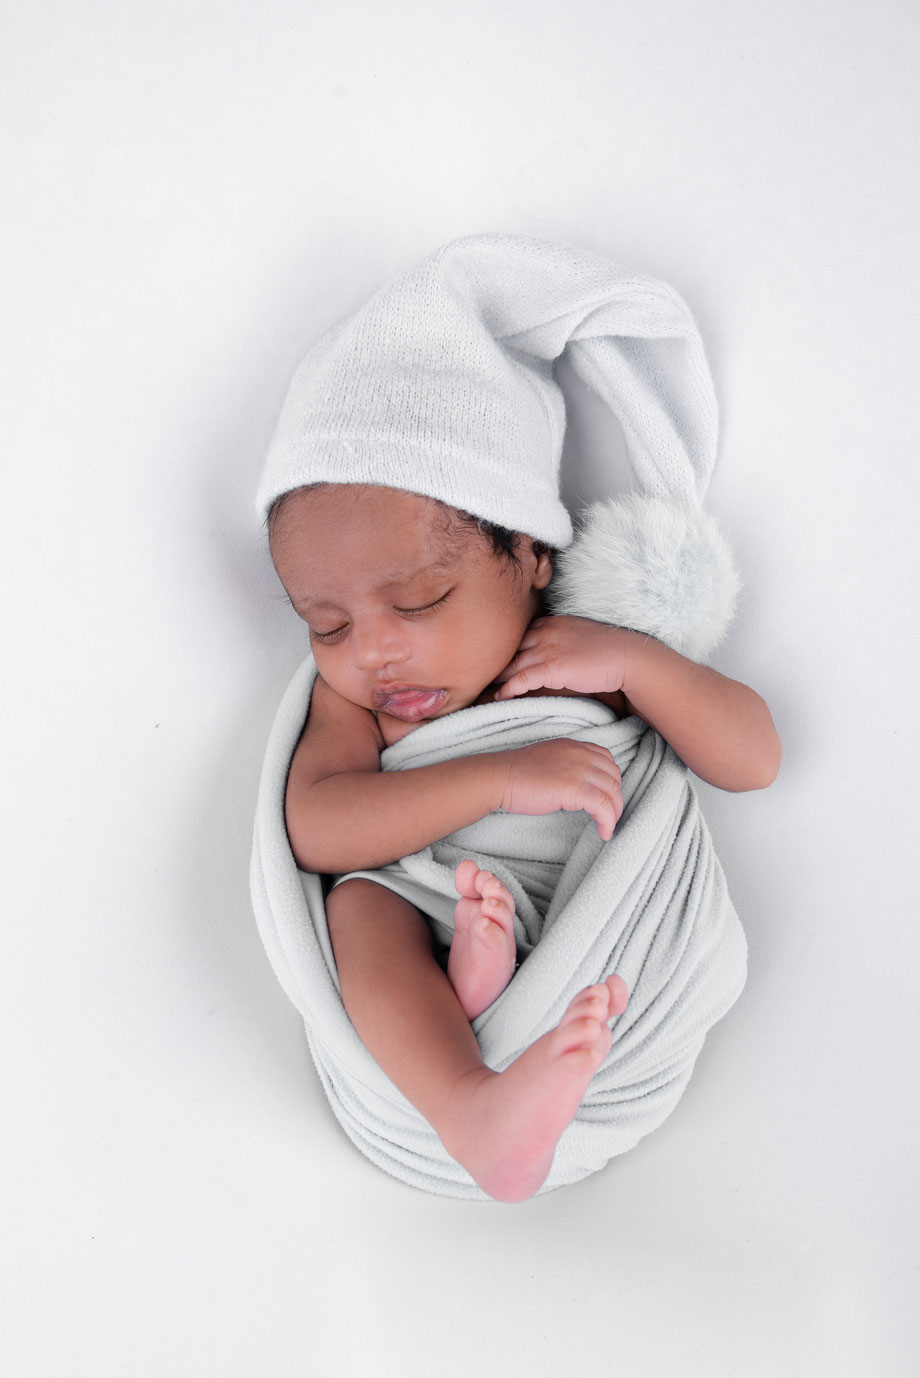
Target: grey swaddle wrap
[(650, 904), (444, 384)]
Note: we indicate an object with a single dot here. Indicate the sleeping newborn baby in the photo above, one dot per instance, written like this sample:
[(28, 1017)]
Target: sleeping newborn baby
[(417, 609), (412, 495)]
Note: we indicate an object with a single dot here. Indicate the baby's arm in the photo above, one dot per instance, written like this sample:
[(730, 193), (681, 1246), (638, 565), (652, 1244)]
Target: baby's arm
[(344, 814), (719, 727)]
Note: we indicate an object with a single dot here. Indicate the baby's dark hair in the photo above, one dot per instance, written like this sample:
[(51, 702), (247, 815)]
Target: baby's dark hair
[(502, 540)]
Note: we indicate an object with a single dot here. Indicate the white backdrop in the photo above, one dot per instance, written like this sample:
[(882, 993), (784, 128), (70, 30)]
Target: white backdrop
[(191, 192)]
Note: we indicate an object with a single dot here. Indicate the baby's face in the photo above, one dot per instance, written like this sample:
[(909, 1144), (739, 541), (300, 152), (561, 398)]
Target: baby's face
[(411, 613)]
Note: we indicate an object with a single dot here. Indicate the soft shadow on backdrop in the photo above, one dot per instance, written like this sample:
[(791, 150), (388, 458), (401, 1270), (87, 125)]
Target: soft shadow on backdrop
[(192, 193)]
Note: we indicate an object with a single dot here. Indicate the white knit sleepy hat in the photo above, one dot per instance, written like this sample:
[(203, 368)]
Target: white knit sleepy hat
[(443, 385)]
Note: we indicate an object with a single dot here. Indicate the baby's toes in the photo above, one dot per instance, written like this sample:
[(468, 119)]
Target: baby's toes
[(486, 883), (500, 910), (491, 888), (591, 1003), (466, 877), (619, 995), (584, 1033), (603, 1001)]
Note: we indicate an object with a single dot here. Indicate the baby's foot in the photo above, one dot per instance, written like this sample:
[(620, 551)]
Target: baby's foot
[(482, 954), (503, 1127)]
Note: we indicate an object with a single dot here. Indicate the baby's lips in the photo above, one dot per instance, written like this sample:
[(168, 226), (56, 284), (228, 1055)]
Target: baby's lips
[(381, 697), (411, 703)]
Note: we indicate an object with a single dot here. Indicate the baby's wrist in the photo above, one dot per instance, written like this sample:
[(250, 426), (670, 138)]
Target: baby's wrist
[(625, 652)]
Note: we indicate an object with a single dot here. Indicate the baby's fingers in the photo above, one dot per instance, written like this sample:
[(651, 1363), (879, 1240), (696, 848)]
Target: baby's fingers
[(601, 798), (603, 809), (612, 790), (523, 680)]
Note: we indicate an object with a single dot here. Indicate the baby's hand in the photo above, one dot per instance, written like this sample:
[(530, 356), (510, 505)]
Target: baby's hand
[(563, 774), (566, 653)]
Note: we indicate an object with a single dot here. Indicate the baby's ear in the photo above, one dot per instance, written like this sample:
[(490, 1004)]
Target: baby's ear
[(544, 570)]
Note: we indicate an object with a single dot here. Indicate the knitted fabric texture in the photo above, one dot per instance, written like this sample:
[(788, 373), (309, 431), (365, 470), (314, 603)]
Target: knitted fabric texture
[(443, 385)]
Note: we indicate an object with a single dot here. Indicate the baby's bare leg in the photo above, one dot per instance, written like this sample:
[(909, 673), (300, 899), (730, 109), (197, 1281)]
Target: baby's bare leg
[(502, 1127), (398, 998)]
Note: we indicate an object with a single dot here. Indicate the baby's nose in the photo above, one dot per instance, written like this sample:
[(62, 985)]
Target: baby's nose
[(379, 645)]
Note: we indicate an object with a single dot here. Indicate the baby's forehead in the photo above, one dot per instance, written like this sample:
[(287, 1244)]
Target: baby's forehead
[(405, 551), (374, 518), (383, 538)]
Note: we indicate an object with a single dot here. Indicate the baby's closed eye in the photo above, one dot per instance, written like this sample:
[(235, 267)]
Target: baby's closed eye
[(335, 632), (427, 607)]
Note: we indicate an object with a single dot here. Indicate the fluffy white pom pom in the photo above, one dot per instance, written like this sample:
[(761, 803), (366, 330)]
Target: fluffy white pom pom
[(654, 566)]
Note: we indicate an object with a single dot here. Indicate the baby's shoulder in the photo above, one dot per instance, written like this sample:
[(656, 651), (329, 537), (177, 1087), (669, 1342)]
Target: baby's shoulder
[(339, 736)]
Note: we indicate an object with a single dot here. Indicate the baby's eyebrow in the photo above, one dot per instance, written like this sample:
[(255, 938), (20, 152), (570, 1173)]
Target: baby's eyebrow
[(442, 566)]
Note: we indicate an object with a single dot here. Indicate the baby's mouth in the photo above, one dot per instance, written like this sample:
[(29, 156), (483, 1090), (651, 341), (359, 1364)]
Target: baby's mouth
[(409, 702)]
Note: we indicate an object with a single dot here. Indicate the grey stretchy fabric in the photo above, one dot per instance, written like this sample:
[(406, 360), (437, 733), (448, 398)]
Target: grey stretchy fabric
[(651, 904)]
